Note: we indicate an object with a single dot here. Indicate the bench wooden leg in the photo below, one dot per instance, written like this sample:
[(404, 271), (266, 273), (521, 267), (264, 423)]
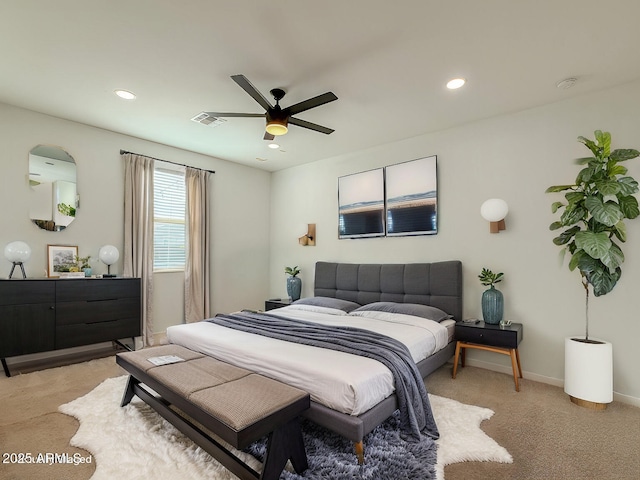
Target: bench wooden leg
[(284, 443), (129, 391)]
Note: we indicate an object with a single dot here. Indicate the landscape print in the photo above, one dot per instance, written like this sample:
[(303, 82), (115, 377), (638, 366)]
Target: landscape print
[(412, 197), (361, 204)]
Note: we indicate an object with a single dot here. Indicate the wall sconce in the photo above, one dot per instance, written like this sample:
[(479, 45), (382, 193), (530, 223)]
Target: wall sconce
[(494, 210), (17, 253), (309, 239), (109, 255)]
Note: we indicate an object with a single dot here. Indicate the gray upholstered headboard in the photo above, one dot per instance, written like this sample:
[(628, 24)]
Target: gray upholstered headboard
[(438, 284)]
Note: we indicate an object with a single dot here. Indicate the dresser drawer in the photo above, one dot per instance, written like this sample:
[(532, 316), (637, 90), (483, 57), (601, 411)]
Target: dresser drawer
[(494, 335), (21, 292), (88, 333), (71, 313), (97, 289)]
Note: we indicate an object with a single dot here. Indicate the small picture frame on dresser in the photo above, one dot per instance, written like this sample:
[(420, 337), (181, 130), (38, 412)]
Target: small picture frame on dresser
[(60, 258)]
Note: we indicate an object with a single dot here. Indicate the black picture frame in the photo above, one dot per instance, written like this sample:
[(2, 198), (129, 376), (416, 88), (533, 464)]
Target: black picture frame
[(411, 197), (361, 209)]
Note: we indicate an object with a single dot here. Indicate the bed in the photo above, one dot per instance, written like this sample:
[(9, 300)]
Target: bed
[(437, 285)]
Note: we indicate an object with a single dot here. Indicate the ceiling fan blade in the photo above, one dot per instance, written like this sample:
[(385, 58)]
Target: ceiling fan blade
[(312, 102), (310, 126), (268, 136), (252, 115), (246, 85)]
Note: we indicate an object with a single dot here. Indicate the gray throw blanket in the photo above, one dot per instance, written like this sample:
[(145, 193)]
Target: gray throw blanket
[(413, 401)]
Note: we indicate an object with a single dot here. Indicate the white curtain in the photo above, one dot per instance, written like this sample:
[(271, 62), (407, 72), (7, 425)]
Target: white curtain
[(197, 267), (138, 232)]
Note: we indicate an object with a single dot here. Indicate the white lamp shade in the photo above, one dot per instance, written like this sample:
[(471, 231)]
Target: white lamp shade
[(109, 254), (494, 210), (17, 252), (588, 370)]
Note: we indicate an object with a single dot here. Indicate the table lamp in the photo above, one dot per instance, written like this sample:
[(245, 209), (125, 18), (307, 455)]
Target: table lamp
[(108, 255), (17, 253)]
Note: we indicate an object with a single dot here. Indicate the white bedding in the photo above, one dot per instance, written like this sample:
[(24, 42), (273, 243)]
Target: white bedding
[(347, 383)]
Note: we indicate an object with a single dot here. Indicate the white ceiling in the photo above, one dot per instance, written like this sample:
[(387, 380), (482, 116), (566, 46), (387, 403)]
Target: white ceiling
[(387, 61)]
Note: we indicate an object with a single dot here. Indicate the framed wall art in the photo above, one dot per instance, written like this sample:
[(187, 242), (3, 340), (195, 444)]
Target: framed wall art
[(412, 197), (361, 205), (60, 258)]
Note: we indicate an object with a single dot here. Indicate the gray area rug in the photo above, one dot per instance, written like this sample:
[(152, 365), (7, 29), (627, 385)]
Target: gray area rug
[(387, 454)]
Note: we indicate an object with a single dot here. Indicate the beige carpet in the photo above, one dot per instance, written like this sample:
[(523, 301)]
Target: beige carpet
[(548, 436)]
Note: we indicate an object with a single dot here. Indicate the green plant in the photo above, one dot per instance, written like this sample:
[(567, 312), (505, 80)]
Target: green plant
[(593, 213), (293, 271), (65, 209), (488, 278), (83, 262)]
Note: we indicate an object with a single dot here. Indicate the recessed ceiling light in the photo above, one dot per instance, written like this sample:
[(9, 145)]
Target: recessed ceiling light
[(566, 83), (455, 83), (126, 94), (273, 145)]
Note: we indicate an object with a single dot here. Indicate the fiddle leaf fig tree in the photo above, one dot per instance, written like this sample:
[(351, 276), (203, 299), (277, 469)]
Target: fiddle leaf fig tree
[(593, 215)]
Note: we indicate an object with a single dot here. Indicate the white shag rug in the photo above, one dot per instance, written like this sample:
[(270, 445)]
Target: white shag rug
[(135, 442)]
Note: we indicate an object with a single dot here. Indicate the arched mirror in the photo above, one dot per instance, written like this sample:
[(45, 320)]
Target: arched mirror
[(52, 183)]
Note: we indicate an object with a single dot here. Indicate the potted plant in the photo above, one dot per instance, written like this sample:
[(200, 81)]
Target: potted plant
[(592, 217), (84, 265), (492, 299), (294, 284)]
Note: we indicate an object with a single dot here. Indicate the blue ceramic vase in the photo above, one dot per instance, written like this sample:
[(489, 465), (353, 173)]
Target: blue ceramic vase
[(294, 288), (492, 306)]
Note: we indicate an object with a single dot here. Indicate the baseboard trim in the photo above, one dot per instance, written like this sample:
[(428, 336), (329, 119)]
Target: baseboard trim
[(556, 382), (628, 399)]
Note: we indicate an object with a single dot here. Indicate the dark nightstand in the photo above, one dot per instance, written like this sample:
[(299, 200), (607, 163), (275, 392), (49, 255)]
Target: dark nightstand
[(276, 303), (492, 338)]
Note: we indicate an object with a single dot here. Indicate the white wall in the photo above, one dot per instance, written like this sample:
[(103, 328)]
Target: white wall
[(514, 157), (240, 209)]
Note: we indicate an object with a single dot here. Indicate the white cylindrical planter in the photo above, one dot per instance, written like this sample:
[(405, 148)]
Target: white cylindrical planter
[(588, 371)]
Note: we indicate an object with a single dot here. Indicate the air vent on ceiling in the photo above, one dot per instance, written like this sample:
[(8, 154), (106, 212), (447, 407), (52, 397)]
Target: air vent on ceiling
[(206, 119)]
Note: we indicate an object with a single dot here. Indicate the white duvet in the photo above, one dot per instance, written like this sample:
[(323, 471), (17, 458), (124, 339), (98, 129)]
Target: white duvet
[(347, 383)]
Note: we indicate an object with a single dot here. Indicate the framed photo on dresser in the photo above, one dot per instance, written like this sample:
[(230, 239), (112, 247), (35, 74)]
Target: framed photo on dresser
[(60, 258)]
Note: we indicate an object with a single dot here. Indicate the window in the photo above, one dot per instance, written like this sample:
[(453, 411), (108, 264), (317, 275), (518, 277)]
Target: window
[(169, 232)]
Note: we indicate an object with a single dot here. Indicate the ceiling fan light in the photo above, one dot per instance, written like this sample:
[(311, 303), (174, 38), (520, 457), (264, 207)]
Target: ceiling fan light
[(277, 127)]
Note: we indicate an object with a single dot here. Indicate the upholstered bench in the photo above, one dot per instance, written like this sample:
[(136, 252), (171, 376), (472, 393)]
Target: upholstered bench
[(235, 404)]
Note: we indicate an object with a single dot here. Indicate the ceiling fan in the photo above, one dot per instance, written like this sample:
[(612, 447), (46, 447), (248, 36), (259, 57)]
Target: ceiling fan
[(279, 118)]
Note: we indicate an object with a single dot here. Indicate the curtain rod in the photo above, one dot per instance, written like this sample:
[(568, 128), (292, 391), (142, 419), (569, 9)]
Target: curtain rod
[(122, 152)]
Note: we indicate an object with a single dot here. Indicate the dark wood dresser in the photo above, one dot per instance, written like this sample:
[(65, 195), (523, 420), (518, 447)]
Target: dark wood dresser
[(39, 315)]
